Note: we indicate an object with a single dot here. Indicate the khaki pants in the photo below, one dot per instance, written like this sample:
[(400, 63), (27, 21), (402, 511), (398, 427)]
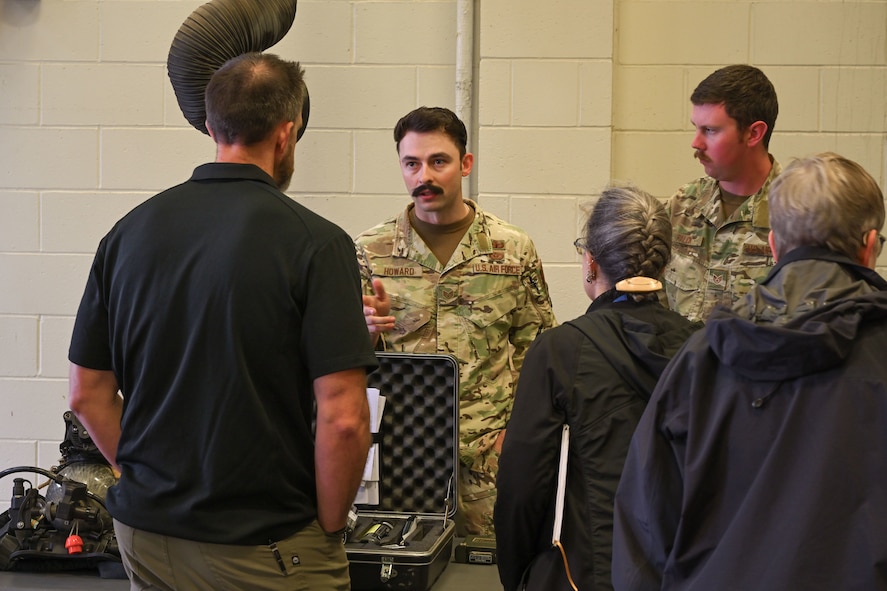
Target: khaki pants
[(308, 560)]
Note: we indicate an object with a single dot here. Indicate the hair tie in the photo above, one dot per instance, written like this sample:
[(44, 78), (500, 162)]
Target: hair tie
[(639, 285)]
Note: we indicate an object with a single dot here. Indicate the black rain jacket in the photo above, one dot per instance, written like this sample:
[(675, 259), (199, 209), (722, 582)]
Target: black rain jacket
[(595, 373), (761, 461)]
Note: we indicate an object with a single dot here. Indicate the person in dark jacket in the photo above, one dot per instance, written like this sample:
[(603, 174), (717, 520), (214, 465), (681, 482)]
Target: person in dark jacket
[(760, 460), (595, 374)]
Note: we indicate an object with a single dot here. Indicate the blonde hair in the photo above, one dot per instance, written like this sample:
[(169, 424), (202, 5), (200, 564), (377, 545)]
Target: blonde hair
[(824, 200)]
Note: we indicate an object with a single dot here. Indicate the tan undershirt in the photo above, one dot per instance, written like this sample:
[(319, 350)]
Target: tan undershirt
[(444, 238), (730, 203)]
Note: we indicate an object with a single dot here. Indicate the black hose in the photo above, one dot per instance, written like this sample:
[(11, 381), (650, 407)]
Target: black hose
[(52, 475), (217, 32)]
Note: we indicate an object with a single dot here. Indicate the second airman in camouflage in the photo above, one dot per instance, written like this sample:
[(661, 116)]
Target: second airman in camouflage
[(720, 222)]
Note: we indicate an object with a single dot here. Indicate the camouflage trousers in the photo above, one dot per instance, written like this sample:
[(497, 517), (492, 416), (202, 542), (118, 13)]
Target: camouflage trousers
[(477, 497)]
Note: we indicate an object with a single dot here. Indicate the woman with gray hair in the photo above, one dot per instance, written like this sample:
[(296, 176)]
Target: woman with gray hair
[(595, 375)]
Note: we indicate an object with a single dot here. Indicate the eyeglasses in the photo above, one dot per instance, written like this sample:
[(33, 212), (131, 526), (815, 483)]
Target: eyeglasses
[(881, 240), (581, 248)]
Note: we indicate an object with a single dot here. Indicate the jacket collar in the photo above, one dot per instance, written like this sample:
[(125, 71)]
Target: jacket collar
[(408, 244), (823, 254), (755, 209)]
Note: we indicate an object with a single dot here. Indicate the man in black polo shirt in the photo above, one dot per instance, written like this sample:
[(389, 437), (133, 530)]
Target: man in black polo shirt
[(222, 311)]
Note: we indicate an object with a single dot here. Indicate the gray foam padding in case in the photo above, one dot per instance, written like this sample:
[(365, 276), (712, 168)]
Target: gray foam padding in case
[(419, 432)]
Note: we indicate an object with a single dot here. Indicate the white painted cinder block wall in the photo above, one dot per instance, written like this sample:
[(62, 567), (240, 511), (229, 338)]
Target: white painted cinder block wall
[(568, 94)]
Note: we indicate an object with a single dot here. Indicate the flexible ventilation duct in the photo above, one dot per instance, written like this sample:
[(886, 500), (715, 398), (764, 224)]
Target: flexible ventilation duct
[(216, 32)]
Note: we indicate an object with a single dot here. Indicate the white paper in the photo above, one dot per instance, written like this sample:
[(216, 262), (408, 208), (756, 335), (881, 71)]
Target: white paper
[(377, 406), (368, 493)]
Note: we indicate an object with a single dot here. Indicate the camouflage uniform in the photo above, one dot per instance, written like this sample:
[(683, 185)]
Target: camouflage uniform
[(716, 262), (484, 307)]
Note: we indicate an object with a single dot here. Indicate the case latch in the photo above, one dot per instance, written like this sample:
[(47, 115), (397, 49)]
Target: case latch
[(388, 571)]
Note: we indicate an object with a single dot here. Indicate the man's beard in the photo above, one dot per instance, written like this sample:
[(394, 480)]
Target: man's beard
[(283, 172)]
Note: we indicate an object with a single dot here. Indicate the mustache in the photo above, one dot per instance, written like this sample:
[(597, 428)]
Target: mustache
[(698, 155), (426, 187)]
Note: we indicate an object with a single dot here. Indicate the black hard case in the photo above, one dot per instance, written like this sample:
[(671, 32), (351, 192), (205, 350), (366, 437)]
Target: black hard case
[(418, 450)]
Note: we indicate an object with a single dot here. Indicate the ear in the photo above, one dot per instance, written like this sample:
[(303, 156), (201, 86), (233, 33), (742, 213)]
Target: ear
[(755, 133), (772, 241), (210, 130), (868, 255), (282, 137), (467, 163)]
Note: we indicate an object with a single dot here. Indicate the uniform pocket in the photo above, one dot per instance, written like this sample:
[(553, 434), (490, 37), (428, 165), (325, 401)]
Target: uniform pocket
[(683, 272), (489, 319)]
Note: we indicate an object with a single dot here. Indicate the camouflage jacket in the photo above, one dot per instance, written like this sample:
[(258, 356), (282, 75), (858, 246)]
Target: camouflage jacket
[(484, 307), (716, 263)]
